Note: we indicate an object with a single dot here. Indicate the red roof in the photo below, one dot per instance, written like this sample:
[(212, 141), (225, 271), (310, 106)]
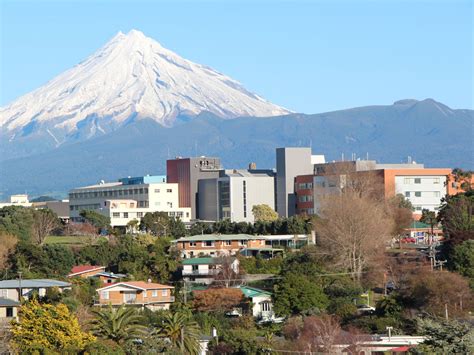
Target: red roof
[(80, 269)]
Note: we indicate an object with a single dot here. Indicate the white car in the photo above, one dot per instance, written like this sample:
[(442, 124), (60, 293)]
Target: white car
[(365, 308)]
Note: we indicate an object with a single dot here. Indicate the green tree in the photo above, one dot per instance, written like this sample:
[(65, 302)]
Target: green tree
[(164, 260), (118, 324), (264, 213), (177, 229), (463, 178), (295, 293), (445, 337), (97, 219), (182, 332), (157, 223), (17, 220), (48, 326), (463, 259)]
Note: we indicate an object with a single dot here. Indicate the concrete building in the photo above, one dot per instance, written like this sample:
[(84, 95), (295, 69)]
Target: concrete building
[(16, 200), (61, 208), (128, 199), (234, 194), (291, 162), (186, 172), (423, 187)]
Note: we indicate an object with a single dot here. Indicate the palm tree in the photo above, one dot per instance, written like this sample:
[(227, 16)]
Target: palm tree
[(118, 324), (182, 332)]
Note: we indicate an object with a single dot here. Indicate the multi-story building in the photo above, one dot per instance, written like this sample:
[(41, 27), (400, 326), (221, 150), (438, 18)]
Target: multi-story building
[(233, 195), (204, 270), (143, 294), (216, 244), (291, 162), (128, 199), (186, 172), (423, 187), (17, 200)]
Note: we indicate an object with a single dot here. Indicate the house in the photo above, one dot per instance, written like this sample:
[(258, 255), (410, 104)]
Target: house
[(109, 277), (261, 301), (11, 289), (203, 270), (8, 310), (151, 295), (422, 232), (85, 271), (216, 244)]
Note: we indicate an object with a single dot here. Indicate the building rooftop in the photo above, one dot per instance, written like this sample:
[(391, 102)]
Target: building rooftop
[(248, 173), (6, 302), (216, 237), (142, 285), (253, 292), (33, 283), (110, 275), (80, 269)]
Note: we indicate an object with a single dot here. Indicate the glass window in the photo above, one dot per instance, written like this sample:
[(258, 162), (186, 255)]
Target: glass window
[(139, 214), (154, 293), (146, 190), (417, 181), (116, 214), (436, 181), (418, 194), (164, 293), (125, 215), (192, 244), (407, 193), (145, 294), (169, 190), (436, 194), (105, 295), (228, 242), (157, 190)]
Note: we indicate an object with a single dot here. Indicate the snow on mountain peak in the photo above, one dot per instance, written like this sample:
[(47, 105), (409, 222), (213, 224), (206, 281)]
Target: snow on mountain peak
[(131, 77)]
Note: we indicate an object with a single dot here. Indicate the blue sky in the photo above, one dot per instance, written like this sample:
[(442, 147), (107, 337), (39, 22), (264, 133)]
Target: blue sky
[(309, 56)]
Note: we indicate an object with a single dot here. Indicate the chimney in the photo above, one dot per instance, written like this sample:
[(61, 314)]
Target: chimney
[(253, 166), (149, 281)]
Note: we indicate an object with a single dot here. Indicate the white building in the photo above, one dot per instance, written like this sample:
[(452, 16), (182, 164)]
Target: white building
[(234, 194), (128, 199), (17, 200), (204, 269)]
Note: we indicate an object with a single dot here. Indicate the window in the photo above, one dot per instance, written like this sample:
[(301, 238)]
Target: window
[(169, 204), (265, 306), (407, 193), (436, 194), (436, 181), (243, 242), (154, 293), (139, 214), (5, 293), (169, 190), (157, 191), (104, 295), (125, 215), (145, 294), (125, 192), (417, 193), (9, 312), (192, 244), (164, 293), (228, 242), (418, 208), (141, 190), (208, 243), (146, 190), (407, 181), (116, 214), (417, 181)]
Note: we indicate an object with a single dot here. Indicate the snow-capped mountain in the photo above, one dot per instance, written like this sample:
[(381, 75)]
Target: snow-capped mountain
[(130, 78)]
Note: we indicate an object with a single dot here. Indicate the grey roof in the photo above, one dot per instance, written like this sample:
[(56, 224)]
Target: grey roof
[(33, 283), (217, 237), (6, 302), (110, 274)]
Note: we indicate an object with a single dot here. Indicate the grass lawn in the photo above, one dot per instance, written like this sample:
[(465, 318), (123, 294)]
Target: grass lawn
[(70, 240)]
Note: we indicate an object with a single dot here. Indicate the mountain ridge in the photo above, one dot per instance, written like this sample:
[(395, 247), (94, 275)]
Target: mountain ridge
[(424, 130)]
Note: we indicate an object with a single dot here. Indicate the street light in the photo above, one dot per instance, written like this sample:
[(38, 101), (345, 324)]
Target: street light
[(389, 333)]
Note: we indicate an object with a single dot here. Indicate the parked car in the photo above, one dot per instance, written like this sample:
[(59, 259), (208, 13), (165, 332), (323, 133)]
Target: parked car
[(408, 240), (365, 309)]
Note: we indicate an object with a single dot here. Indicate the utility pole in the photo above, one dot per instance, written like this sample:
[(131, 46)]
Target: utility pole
[(185, 292), (389, 333), (446, 311), (19, 286)]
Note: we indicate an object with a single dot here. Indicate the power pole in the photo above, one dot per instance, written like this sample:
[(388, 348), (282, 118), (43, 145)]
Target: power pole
[(185, 292)]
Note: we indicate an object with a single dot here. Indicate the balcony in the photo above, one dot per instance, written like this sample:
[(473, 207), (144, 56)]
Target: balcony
[(210, 272), (132, 302)]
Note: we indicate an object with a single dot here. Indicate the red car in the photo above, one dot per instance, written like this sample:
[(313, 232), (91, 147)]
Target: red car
[(408, 240)]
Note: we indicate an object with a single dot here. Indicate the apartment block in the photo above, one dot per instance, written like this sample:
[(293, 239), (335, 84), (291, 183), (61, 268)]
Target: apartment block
[(128, 199), (234, 193), (186, 172)]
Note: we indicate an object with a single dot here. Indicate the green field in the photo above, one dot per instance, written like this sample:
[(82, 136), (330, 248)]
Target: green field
[(70, 240)]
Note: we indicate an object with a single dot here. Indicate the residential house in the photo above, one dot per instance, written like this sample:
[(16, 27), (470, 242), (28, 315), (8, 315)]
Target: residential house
[(109, 277), (8, 311), (261, 301), (204, 270), (85, 271), (216, 244), (149, 295), (11, 289)]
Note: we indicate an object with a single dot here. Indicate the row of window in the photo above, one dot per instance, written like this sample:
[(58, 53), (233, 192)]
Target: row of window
[(108, 193), (210, 243), (167, 191), (305, 185), (409, 180), (105, 295), (422, 194), (178, 214), (84, 207), (245, 198), (305, 198)]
